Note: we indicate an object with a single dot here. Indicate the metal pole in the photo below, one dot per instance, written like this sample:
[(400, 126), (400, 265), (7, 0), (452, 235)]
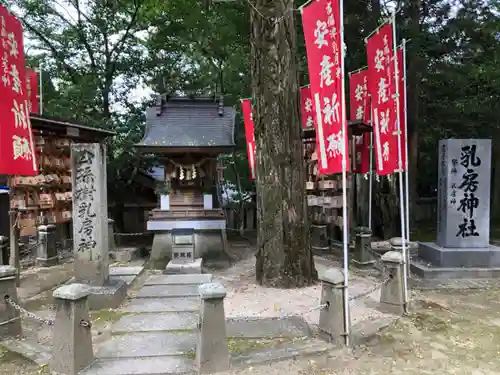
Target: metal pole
[(407, 171), (400, 163), (40, 89), (344, 180), (370, 183)]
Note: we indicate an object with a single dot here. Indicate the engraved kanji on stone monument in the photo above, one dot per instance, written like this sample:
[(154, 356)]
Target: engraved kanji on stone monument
[(464, 193), (90, 214)]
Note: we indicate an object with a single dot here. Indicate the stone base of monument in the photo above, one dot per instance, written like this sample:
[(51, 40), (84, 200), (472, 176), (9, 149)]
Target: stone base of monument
[(108, 296), (459, 257), (125, 254), (47, 262), (365, 264), (436, 262), (111, 295), (178, 266)]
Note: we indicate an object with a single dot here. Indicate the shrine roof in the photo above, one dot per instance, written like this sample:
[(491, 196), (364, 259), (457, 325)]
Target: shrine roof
[(68, 129), (184, 122)]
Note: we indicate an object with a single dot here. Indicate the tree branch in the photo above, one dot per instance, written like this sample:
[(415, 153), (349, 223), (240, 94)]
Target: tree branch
[(83, 39), (116, 49), (59, 56)]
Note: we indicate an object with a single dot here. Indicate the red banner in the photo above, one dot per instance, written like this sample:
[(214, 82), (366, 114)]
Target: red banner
[(360, 110), (381, 87), (402, 109), (32, 91), (246, 107), (307, 108), (17, 152), (358, 89), (321, 22)]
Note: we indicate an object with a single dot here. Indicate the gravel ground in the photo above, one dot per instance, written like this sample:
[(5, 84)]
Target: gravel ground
[(454, 332), (245, 298)]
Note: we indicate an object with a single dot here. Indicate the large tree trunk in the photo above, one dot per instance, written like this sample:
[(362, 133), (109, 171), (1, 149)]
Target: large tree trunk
[(284, 257)]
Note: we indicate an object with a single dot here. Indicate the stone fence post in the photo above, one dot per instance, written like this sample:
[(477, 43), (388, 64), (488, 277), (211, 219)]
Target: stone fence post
[(362, 255), (72, 341), (10, 320), (212, 352), (4, 249), (331, 318), (392, 292), (397, 245), (46, 254)]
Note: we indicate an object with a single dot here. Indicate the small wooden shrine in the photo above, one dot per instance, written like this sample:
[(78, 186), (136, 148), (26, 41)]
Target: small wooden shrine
[(324, 194), (46, 198), (188, 134)]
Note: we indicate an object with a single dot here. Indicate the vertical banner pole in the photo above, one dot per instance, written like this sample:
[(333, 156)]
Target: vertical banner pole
[(370, 183), (40, 88), (344, 180), (407, 171), (400, 154)]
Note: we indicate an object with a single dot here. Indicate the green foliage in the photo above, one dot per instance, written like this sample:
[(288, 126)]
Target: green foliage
[(95, 53)]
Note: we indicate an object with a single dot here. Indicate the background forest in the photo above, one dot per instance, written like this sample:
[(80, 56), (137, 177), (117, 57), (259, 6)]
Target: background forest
[(95, 53)]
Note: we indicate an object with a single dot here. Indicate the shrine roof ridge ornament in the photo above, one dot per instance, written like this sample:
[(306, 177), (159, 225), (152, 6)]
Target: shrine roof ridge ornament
[(189, 122)]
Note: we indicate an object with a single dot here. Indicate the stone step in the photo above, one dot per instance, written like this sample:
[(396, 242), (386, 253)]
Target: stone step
[(155, 291), (157, 322), (176, 266), (151, 344), (290, 327), (179, 279), (154, 305), (152, 364), (254, 328), (166, 365), (293, 350), (125, 271)]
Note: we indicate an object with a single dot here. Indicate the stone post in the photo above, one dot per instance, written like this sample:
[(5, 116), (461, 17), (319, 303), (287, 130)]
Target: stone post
[(392, 292), (362, 255), (90, 213), (46, 254), (397, 245), (111, 235), (4, 249), (212, 352), (10, 320), (15, 257), (72, 341), (331, 318)]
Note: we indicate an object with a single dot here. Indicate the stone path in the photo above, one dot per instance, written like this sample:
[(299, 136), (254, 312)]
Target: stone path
[(156, 333)]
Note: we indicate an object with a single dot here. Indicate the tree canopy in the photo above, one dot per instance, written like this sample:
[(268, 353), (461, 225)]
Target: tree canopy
[(94, 53)]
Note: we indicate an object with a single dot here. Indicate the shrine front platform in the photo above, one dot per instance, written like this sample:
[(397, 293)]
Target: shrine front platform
[(187, 235)]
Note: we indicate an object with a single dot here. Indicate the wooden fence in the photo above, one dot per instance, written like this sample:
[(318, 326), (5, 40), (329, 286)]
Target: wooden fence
[(426, 212), (135, 216)]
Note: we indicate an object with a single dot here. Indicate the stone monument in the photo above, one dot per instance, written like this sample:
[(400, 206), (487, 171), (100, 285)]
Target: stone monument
[(463, 222), (90, 225)]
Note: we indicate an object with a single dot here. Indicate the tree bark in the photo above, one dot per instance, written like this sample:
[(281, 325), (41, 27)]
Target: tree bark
[(284, 258)]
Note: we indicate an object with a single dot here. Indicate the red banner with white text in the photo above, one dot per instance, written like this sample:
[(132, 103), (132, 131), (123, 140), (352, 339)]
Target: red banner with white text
[(307, 108), (17, 152), (381, 87), (360, 110), (321, 23), (246, 107), (32, 91), (402, 106)]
